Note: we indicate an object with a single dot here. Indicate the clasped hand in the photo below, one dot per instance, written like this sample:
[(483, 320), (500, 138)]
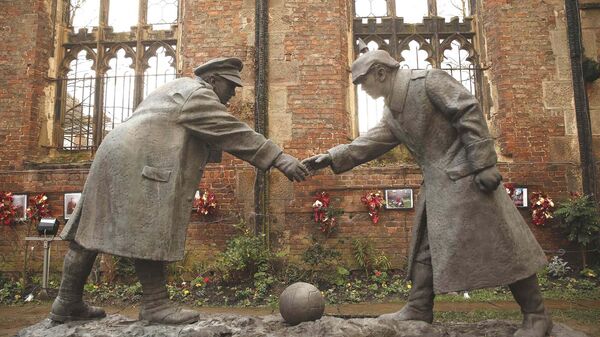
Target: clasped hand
[(291, 167), (488, 179), (317, 162)]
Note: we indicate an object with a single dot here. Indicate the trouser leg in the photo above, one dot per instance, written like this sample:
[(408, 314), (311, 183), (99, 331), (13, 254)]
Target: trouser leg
[(156, 306), (536, 321), (420, 299), (69, 304)]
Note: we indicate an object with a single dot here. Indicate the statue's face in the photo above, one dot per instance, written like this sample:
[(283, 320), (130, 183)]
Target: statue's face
[(224, 89), (374, 82)]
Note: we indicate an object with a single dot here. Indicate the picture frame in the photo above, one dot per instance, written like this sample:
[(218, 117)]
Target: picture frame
[(20, 203), (70, 202), (521, 197), (401, 198)]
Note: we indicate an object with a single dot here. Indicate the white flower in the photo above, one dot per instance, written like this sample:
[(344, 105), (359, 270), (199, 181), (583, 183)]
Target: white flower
[(466, 295), (29, 298)]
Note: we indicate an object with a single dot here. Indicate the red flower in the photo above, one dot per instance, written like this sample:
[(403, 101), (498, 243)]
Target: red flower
[(323, 214), (8, 212), (374, 202), (205, 204), (541, 208), (377, 273), (206, 280), (510, 189), (39, 207)]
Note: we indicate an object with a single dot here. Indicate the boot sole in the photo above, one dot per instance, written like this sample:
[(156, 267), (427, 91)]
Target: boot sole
[(64, 319)]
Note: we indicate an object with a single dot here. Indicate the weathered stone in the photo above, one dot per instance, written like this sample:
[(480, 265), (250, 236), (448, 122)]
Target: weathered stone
[(274, 326)]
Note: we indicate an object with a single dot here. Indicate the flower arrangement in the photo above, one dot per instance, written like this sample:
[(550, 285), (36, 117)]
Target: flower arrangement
[(7, 210), (374, 202), (39, 207), (205, 204), (325, 215), (541, 208), (510, 189)]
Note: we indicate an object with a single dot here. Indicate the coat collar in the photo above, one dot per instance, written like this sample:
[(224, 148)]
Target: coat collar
[(399, 90)]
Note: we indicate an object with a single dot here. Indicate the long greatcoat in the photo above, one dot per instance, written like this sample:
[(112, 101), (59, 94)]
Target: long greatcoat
[(476, 239), (138, 196)]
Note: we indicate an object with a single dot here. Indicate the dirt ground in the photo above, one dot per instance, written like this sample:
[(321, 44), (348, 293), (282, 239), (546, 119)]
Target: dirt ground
[(14, 318)]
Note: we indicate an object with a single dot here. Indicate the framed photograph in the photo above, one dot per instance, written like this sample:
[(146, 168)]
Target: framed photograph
[(71, 200), (520, 197), (20, 202), (399, 198)]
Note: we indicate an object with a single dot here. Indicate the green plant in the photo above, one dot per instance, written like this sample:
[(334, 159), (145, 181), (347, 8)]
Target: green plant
[(367, 258), (362, 250), (588, 272), (245, 255), (382, 262), (558, 268), (580, 221), (318, 254)]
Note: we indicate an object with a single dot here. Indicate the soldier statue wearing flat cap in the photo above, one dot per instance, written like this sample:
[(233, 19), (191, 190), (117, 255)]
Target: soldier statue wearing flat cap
[(137, 198), (467, 233)]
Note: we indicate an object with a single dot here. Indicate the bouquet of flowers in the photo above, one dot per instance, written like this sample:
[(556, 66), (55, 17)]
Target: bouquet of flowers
[(324, 215), (39, 207), (541, 208), (374, 202), (7, 210), (205, 204)]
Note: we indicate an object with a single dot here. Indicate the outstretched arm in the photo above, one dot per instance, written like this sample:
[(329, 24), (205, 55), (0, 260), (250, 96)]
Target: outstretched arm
[(369, 146), (209, 120)]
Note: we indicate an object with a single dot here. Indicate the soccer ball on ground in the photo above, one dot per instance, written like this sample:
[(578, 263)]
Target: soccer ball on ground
[(301, 302)]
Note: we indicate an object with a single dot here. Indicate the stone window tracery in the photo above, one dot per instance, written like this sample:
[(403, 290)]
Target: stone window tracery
[(115, 54), (420, 34)]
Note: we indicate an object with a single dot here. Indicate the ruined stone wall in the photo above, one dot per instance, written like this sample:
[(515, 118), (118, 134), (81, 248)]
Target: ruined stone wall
[(310, 110)]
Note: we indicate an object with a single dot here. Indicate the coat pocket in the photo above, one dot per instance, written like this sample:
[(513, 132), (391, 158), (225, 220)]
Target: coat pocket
[(155, 173)]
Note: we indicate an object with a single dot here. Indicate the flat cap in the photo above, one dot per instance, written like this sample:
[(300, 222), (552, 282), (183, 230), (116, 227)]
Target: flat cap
[(227, 67), (363, 63)]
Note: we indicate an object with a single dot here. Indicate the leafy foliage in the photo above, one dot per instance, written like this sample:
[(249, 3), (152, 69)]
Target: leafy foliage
[(558, 268), (245, 255), (367, 258), (579, 220)]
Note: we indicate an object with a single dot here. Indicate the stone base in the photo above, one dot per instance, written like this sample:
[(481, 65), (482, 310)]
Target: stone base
[(274, 326)]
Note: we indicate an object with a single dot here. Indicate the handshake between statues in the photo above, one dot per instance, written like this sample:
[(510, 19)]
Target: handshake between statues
[(487, 179), (297, 171)]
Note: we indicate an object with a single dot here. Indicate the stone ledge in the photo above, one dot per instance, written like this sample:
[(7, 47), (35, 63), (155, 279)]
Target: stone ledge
[(273, 326)]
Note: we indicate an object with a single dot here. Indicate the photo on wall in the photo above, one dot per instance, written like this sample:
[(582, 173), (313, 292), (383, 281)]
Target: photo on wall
[(399, 198), (71, 200), (520, 197), (20, 203)]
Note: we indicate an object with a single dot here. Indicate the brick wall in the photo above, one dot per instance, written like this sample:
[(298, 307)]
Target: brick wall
[(309, 111)]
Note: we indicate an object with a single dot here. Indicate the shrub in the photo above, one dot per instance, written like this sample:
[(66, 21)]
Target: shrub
[(580, 221), (558, 268)]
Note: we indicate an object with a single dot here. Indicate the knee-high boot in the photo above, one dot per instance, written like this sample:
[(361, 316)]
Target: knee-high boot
[(156, 306), (536, 321), (69, 305), (420, 299)]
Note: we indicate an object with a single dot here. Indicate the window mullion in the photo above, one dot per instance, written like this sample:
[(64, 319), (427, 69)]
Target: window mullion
[(138, 91), (432, 7), (100, 74)]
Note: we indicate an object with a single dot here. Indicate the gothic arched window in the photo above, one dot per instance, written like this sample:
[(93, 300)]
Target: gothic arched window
[(420, 34), (115, 54)]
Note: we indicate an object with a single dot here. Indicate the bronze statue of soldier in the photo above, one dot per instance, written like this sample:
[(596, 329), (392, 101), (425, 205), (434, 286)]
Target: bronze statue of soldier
[(468, 234), (137, 199)]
